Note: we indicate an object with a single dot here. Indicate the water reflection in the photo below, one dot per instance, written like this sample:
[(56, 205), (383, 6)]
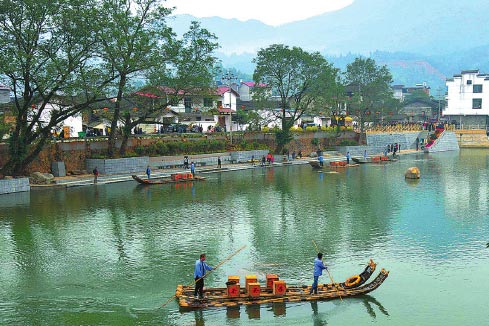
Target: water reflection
[(253, 311), (316, 318), (368, 301)]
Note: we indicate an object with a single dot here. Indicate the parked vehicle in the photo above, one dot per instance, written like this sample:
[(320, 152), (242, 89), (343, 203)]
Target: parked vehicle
[(177, 127)]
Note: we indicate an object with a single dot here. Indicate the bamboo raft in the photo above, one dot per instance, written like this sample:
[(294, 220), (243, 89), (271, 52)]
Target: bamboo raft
[(219, 297), (331, 165), (166, 180), (374, 159)]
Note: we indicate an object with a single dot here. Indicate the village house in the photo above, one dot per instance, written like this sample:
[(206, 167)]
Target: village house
[(468, 99)]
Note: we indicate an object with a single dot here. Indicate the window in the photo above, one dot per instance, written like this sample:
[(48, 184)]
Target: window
[(477, 88), (476, 103), (187, 102), (207, 102), (469, 81)]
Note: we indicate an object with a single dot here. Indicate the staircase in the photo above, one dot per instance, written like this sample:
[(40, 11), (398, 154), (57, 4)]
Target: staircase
[(447, 141)]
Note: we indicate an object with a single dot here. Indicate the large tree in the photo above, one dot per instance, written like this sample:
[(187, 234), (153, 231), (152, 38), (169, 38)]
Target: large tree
[(175, 68), (45, 47), (370, 85), (131, 33), (301, 82)]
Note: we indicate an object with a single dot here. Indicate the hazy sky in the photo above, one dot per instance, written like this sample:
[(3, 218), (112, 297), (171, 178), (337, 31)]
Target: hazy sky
[(270, 12)]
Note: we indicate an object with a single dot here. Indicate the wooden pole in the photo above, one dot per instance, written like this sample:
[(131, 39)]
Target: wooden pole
[(216, 267), (327, 269)]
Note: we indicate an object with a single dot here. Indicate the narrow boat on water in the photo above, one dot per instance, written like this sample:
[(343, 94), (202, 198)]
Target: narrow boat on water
[(172, 179), (277, 291), (373, 159), (333, 164)]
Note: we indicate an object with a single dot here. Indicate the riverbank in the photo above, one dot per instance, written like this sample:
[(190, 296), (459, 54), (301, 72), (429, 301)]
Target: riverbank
[(87, 179)]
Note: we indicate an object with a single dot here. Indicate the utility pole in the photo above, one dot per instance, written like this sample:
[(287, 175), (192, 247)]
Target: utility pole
[(228, 78)]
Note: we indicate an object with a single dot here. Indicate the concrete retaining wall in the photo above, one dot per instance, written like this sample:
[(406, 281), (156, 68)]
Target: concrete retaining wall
[(446, 142), (378, 142), (118, 165), (8, 186)]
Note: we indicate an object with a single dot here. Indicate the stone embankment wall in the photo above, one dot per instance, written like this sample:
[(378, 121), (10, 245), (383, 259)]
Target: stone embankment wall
[(472, 138), (8, 186), (446, 142), (125, 165), (74, 152), (377, 142)]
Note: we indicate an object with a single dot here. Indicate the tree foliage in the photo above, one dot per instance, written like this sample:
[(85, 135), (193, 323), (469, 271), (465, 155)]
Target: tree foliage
[(45, 47), (370, 85), (137, 44), (290, 83)]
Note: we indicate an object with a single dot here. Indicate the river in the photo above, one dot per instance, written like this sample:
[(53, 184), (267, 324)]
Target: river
[(113, 254)]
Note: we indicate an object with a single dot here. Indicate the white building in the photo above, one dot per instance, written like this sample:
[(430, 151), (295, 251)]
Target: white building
[(468, 99)]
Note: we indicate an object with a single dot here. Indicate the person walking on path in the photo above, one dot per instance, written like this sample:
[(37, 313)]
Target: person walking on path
[(148, 172), (95, 175), (199, 273), (192, 168), (219, 162), (348, 156), (318, 271), (185, 162)]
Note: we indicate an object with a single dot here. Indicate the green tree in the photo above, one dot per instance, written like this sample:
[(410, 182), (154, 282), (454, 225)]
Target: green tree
[(130, 34), (45, 47), (370, 85), (184, 67), (299, 80)]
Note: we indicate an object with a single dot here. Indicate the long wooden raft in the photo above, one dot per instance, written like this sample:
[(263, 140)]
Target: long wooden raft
[(218, 297), (165, 180)]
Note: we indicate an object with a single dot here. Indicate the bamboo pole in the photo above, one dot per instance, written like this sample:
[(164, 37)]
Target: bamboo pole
[(327, 269), (216, 267)]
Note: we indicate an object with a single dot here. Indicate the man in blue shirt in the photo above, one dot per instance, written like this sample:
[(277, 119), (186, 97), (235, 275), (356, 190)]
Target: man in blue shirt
[(318, 271), (199, 273), (321, 160)]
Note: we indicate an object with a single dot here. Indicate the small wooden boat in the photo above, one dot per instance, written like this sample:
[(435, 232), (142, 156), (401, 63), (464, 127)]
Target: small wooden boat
[(232, 296), (316, 165), (166, 180), (373, 159)]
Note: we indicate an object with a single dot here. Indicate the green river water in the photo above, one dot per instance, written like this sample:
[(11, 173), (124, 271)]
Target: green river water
[(113, 254)]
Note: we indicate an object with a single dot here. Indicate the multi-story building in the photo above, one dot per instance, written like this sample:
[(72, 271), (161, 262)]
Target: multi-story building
[(468, 99), (400, 91)]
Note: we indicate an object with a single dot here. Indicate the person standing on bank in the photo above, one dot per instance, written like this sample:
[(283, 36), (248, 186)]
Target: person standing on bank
[(348, 156), (318, 271), (95, 175), (199, 273), (148, 172), (219, 162), (192, 168)]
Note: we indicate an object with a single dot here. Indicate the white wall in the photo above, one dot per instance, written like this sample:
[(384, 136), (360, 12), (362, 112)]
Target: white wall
[(460, 95)]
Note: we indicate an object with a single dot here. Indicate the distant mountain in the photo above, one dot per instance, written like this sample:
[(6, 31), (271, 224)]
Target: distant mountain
[(419, 40)]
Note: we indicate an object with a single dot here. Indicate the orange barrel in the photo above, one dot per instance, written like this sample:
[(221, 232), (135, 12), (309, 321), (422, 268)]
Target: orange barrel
[(233, 289), (279, 288), (250, 279), (270, 279), (233, 279), (254, 289), (174, 177)]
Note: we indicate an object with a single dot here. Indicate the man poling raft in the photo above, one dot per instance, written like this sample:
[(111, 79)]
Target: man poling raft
[(252, 292)]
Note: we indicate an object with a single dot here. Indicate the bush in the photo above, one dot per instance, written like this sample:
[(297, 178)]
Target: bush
[(312, 128), (348, 142)]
